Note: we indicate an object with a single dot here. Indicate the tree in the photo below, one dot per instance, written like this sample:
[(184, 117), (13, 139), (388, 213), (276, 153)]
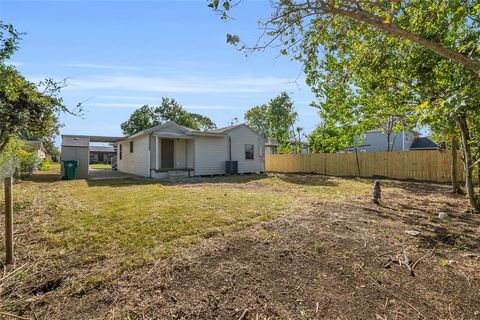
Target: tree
[(427, 48), (277, 120), (415, 20), (141, 119), (256, 118), (169, 110), (25, 107), (203, 123), (281, 118), (367, 76), (328, 139)]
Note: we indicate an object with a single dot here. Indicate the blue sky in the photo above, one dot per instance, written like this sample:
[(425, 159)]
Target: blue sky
[(120, 55)]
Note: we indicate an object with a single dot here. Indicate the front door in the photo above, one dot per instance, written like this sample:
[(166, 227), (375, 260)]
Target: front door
[(167, 154)]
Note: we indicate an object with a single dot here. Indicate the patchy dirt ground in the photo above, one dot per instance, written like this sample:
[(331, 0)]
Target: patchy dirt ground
[(331, 259)]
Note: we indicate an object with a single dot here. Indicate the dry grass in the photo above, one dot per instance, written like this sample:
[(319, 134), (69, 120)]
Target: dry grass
[(97, 239)]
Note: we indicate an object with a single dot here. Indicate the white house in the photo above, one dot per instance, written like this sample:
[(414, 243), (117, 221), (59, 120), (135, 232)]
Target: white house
[(172, 150), (36, 146), (376, 141)]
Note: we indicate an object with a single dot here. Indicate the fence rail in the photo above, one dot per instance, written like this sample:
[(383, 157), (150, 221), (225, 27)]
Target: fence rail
[(428, 165)]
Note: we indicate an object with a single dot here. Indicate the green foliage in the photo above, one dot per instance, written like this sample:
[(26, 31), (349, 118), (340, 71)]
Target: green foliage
[(26, 109), (9, 38), (202, 122), (9, 157), (141, 119), (27, 163), (276, 120), (256, 118), (445, 28), (169, 110), (325, 139), (44, 165)]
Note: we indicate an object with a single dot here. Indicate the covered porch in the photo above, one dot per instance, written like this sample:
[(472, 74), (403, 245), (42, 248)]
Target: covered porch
[(172, 155)]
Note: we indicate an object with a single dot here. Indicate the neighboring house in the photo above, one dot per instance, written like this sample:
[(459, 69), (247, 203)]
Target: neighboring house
[(36, 147), (102, 154), (172, 150), (376, 141), (271, 146)]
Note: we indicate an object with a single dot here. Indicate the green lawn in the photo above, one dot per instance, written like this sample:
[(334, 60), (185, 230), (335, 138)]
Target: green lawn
[(125, 223), (100, 166)]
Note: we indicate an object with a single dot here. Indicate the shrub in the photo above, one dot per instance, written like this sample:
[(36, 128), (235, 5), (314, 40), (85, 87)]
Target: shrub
[(44, 165), (9, 158), (27, 163)]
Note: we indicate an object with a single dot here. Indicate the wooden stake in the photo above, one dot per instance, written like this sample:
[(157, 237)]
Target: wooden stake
[(9, 220)]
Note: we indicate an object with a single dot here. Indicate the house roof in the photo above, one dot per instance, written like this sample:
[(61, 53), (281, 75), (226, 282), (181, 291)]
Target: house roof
[(415, 133), (226, 129), (94, 138), (102, 149), (423, 143), (36, 144), (233, 127), (187, 132), (75, 141)]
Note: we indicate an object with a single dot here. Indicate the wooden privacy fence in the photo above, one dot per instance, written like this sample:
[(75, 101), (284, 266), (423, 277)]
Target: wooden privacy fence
[(428, 165)]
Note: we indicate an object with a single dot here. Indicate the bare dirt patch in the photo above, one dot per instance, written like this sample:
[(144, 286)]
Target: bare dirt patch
[(329, 259)]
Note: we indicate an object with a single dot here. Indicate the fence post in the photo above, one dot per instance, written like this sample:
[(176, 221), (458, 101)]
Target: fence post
[(9, 220)]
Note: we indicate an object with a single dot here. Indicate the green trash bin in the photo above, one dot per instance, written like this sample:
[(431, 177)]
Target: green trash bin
[(70, 169)]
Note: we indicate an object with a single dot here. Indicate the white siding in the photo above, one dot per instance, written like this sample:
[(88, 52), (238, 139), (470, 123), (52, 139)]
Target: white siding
[(190, 157), (376, 141), (210, 155), (241, 136), (182, 158), (136, 162)]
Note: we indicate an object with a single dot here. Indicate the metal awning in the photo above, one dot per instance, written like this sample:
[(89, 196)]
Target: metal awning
[(92, 138)]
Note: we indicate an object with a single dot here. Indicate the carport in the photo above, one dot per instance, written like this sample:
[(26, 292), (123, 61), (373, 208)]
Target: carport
[(77, 147)]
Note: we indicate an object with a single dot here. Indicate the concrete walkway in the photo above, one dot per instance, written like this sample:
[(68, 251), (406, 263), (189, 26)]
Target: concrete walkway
[(108, 174)]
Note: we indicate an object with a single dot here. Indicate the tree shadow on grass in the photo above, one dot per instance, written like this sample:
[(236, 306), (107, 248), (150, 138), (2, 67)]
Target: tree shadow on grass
[(42, 177), (417, 187), (307, 179), (235, 179), (442, 236)]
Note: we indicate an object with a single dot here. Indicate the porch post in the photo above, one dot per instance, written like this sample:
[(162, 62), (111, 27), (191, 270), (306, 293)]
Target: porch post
[(156, 152)]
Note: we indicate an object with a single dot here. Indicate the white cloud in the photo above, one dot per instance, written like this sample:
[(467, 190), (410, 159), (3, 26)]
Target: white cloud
[(206, 107), (114, 105), (100, 66), (129, 97), (201, 84), (135, 105)]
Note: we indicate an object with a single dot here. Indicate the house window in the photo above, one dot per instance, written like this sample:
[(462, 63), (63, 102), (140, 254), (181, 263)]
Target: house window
[(120, 152), (249, 151), (131, 146)]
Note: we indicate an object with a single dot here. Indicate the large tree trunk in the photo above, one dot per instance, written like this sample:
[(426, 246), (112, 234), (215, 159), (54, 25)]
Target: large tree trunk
[(388, 141), (467, 155), (3, 143), (478, 166), (455, 184)]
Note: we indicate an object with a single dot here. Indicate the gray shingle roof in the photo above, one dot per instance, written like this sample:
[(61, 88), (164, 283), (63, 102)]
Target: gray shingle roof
[(224, 129), (71, 141), (423, 143)]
